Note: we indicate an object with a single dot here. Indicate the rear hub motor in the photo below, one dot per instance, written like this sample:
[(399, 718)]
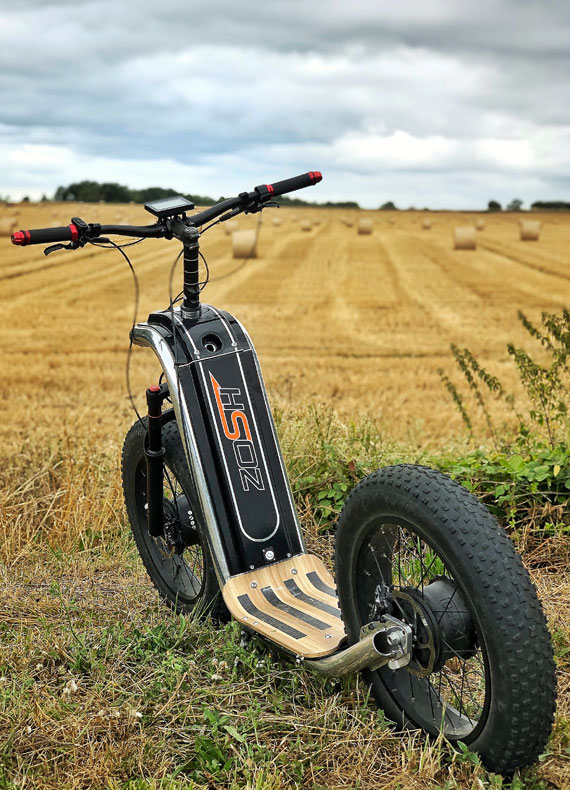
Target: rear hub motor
[(441, 624)]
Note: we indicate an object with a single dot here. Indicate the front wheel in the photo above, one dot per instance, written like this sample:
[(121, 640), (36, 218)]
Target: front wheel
[(415, 544), (179, 562)]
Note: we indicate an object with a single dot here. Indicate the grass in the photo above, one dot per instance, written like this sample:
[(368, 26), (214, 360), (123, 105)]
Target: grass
[(102, 686)]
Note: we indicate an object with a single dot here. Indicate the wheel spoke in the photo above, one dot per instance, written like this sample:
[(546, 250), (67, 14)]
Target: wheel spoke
[(455, 693)]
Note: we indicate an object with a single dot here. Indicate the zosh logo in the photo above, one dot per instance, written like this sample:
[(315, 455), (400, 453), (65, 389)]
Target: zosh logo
[(237, 430)]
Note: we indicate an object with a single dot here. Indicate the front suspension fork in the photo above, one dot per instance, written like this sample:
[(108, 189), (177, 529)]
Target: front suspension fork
[(154, 454)]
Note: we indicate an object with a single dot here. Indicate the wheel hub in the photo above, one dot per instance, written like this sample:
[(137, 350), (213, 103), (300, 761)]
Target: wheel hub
[(179, 524), (441, 624)]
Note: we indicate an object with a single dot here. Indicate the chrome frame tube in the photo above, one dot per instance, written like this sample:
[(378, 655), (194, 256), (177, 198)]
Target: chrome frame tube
[(374, 650), (146, 336)]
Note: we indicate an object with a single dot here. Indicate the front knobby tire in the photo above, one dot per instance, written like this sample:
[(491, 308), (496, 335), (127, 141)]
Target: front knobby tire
[(413, 543), (179, 564)]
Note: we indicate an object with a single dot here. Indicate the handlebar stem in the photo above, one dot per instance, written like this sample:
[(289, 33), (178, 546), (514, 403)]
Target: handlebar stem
[(191, 303)]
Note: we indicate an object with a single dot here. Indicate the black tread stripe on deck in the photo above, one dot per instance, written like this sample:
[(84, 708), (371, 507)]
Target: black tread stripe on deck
[(285, 607), (317, 582), (324, 607), (252, 609)]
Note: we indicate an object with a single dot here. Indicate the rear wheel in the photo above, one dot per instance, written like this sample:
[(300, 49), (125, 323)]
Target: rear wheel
[(413, 543), (179, 562)]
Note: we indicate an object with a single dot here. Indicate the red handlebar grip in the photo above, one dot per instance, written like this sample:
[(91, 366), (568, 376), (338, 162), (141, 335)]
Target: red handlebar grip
[(45, 235), (289, 184)]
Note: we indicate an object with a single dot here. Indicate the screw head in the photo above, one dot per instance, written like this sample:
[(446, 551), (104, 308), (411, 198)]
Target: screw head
[(293, 571), (253, 584)]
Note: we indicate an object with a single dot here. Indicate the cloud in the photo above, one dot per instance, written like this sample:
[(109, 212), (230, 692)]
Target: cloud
[(373, 93)]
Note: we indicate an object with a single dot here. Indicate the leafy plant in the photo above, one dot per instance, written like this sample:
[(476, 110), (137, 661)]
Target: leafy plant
[(546, 384)]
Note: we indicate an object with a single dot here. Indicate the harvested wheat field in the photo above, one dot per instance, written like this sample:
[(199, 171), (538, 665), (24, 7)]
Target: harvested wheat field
[(360, 322), (101, 684)]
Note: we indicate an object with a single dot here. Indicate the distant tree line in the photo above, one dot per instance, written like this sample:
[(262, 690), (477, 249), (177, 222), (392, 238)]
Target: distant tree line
[(551, 205), (93, 192), (516, 205), (288, 201)]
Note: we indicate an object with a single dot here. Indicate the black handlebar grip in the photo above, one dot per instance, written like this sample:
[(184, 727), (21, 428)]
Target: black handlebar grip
[(289, 184), (45, 235)]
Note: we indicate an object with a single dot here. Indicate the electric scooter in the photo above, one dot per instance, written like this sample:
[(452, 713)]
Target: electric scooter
[(430, 599)]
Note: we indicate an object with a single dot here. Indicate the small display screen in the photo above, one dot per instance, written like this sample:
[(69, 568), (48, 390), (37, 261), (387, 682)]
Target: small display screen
[(168, 206)]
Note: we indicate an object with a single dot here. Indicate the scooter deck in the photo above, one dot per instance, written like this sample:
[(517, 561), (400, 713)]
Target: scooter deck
[(292, 603)]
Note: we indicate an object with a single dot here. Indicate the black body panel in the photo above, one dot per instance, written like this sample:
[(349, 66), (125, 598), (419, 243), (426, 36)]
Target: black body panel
[(220, 381)]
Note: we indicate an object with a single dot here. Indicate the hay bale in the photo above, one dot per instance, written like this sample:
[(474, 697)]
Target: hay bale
[(480, 224), (316, 222), (244, 244), (294, 218), (277, 221), (426, 224), (364, 227), (306, 225), (8, 225), (530, 229), (465, 238), (230, 226)]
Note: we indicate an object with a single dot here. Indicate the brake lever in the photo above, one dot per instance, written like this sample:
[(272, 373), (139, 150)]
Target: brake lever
[(74, 245)]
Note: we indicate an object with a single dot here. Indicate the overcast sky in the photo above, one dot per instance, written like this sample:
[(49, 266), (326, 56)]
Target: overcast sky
[(439, 103)]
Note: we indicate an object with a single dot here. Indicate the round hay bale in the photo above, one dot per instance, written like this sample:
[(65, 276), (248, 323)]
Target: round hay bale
[(230, 226), (7, 225), (464, 238), (530, 230), (244, 244), (426, 224), (480, 224), (277, 221), (316, 222), (294, 218), (305, 225), (364, 227)]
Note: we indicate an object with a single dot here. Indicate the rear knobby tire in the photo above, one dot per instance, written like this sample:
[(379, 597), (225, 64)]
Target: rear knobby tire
[(186, 580), (441, 553)]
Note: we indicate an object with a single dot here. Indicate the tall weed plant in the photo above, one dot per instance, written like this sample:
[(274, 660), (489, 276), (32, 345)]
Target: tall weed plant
[(526, 478)]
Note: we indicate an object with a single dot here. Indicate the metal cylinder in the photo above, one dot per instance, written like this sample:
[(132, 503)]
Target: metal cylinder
[(368, 653), (154, 455)]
